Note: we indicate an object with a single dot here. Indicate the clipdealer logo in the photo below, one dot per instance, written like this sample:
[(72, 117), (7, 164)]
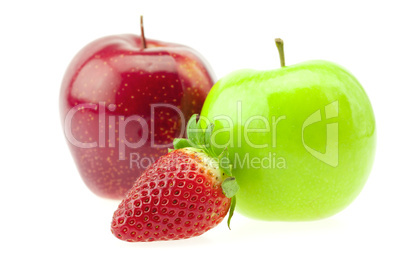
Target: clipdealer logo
[(123, 121), (331, 154), (329, 157)]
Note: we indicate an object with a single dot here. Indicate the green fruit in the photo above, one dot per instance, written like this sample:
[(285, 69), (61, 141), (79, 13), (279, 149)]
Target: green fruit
[(301, 138)]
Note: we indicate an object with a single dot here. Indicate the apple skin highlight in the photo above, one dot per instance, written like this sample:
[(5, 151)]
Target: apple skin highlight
[(314, 120)]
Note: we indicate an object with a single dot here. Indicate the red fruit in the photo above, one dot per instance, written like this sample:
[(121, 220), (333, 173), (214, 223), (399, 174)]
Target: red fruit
[(114, 79), (179, 196)]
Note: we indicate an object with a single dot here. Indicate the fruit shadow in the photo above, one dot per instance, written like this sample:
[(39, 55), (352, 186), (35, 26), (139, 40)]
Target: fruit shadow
[(245, 228)]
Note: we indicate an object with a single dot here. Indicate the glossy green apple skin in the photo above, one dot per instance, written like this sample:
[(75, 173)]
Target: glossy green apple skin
[(298, 186)]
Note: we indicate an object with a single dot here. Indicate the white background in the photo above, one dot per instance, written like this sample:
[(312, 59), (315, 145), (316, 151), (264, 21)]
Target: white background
[(50, 219)]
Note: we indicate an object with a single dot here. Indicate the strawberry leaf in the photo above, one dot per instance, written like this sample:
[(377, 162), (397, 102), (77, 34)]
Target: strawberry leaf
[(231, 210), (195, 133), (181, 143), (217, 125), (207, 139), (224, 162), (230, 187)]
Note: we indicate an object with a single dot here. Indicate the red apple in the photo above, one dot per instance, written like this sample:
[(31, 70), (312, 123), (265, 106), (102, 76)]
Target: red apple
[(123, 100)]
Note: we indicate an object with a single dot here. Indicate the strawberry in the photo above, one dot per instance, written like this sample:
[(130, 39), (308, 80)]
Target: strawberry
[(183, 194)]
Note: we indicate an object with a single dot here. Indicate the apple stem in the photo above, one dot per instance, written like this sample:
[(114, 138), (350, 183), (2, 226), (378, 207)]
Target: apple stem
[(279, 45), (143, 41)]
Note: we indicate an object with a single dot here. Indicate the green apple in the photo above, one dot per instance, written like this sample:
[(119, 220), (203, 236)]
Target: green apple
[(301, 138)]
